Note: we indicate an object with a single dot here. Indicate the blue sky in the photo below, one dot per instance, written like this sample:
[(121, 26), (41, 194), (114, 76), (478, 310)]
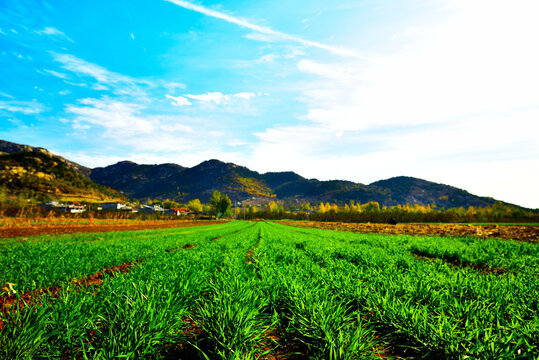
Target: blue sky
[(444, 90)]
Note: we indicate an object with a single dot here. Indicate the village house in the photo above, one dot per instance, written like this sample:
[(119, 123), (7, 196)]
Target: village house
[(178, 211), (151, 209), (113, 205), (70, 208)]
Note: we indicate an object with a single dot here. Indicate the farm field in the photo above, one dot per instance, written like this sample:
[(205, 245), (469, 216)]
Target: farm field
[(262, 290), (523, 232), (17, 227)]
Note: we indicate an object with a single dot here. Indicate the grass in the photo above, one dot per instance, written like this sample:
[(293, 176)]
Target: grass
[(252, 289)]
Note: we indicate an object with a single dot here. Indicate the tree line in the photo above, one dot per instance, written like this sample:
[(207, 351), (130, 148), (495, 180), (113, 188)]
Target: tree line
[(373, 212)]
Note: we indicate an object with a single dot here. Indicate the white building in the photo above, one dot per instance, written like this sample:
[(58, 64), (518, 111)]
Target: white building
[(112, 206)]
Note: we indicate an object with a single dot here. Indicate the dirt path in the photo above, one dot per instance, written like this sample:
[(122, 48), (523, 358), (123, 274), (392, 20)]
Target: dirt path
[(42, 229), (515, 232)]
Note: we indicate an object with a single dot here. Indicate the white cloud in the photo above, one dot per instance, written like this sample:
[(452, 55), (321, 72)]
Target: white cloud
[(263, 29), (327, 71), (470, 156), (127, 124), (119, 84), (244, 95), (99, 78), (23, 107), (179, 100), (454, 102), (117, 118), (53, 32), (172, 86), (132, 36), (237, 142), (100, 87), (261, 37), (220, 98), (85, 68), (269, 58), (467, 64)]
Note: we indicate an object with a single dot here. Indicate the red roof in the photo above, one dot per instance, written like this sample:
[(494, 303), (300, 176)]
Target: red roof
[(182, 209)]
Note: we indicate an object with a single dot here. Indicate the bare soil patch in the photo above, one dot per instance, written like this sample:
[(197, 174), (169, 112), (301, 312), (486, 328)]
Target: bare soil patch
[(515, 232), (42, 229), (480, 267), (185, 247), (286, 350)]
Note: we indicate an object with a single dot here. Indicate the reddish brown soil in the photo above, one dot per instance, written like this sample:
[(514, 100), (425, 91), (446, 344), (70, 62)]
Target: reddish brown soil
[(249, 257), (185, 247), (291, 350), (515, 232), (10, 302), (483, 267), (41, 229)]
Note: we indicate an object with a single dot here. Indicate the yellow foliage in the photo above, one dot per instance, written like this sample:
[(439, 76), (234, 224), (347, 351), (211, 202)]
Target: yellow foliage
[(253, 187)]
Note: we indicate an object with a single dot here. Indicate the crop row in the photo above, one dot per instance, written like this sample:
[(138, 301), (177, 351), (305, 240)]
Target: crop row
[(39, 262), (248, 290), (446, 310)]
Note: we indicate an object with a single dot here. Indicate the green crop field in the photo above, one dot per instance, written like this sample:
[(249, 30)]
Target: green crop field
[(245, 290)]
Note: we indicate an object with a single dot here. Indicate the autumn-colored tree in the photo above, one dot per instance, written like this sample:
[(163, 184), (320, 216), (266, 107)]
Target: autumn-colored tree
[(273, 207), (195, 205)]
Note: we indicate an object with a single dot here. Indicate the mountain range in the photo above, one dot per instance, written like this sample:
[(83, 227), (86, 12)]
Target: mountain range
[(174, 181)]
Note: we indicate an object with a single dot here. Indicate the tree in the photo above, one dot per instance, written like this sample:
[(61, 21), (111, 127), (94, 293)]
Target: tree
[(215, 201), (224, 206), (195, 205), (220, 205)]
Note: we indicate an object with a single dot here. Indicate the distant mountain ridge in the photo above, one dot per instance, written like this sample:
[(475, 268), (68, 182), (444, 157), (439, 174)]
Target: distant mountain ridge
[(167, 180), (177, 182)]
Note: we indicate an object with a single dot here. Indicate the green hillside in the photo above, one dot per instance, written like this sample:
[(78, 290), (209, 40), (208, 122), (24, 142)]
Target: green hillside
[(41, 176)]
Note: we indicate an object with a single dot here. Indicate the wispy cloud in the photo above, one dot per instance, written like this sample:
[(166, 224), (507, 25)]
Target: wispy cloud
[(220, 98), (85, 68), (23, 107), (54, 33), (119, 119), (6, 95), (129, 124), (105, 79), (56, 74), (335, 72), (264, 29)]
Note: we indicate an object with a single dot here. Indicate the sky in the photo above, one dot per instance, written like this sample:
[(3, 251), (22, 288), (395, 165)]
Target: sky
[(360, 90)]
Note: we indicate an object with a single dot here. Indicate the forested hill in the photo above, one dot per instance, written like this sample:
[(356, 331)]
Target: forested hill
[(11, 148), (240, 183), (42, 176), (177, 182)]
